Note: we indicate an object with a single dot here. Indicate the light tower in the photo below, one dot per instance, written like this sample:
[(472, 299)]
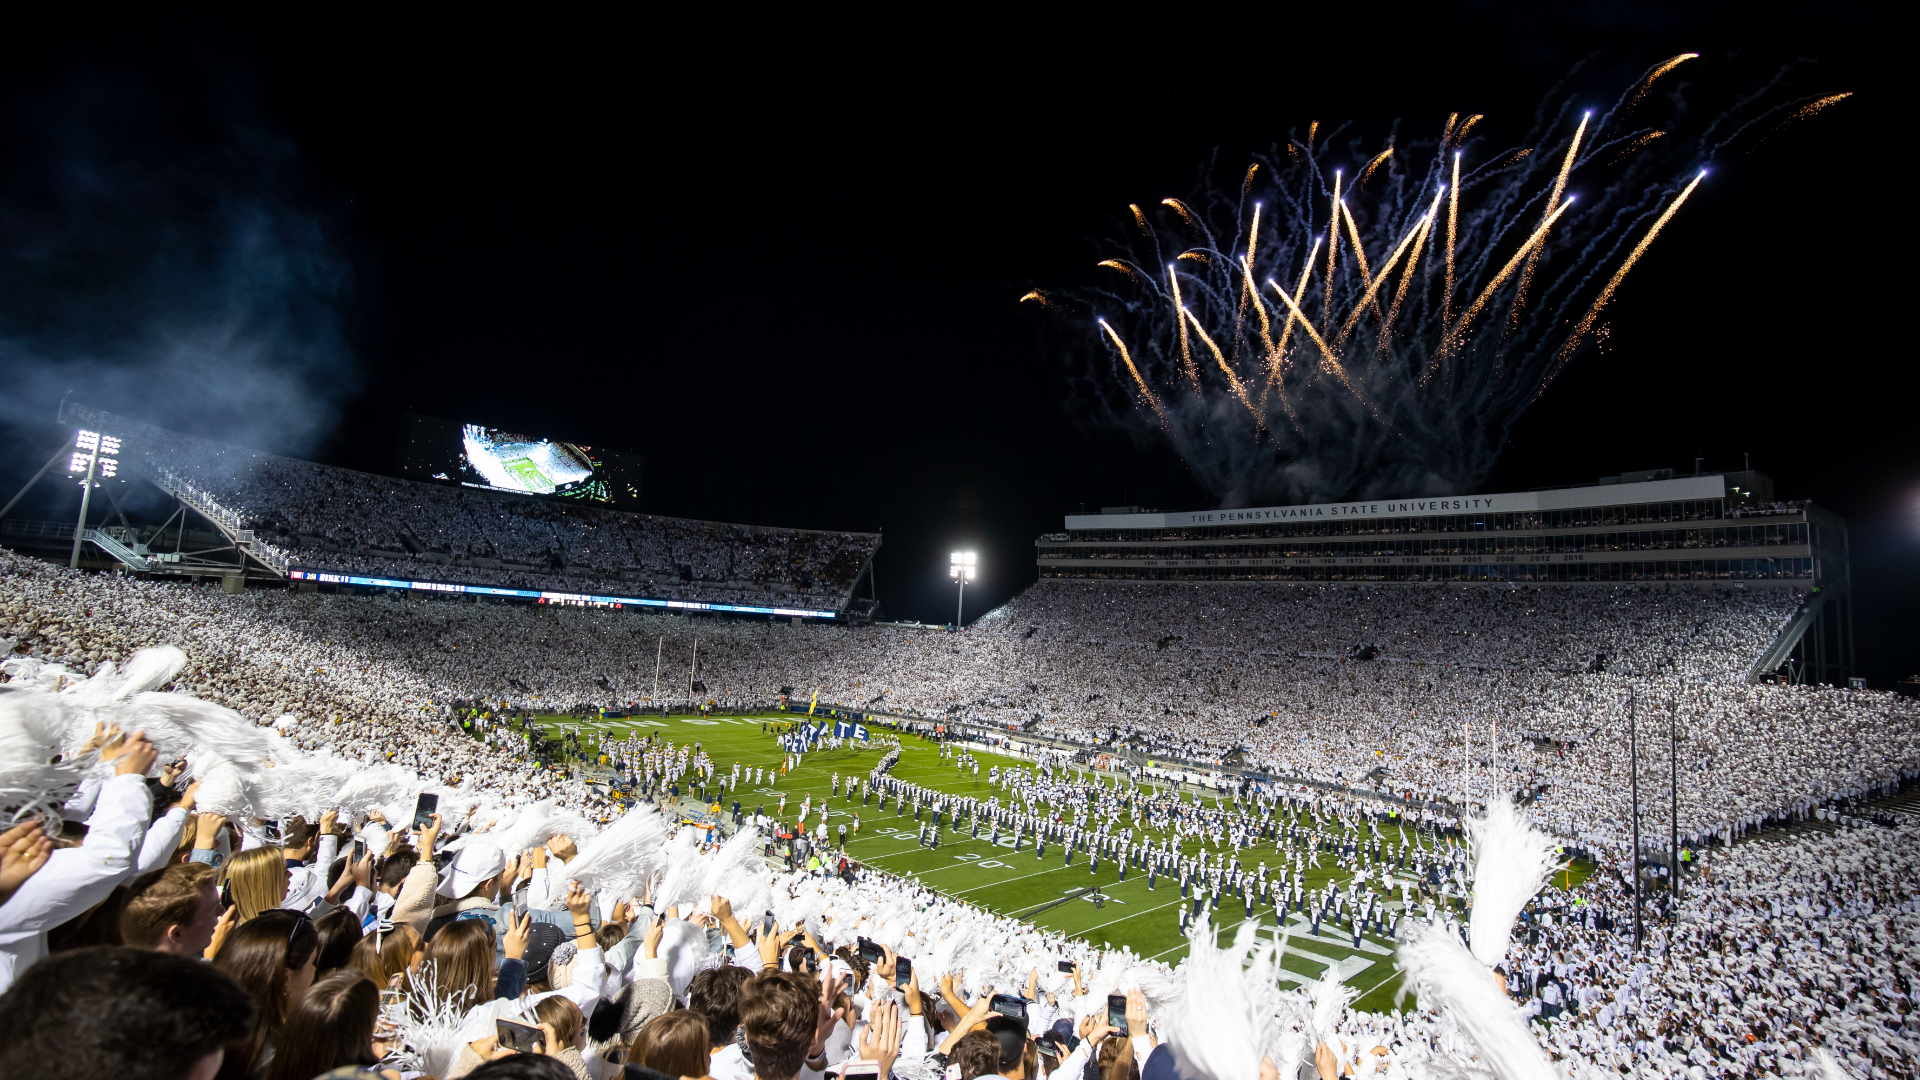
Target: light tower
[(962, 568), (91, 451)]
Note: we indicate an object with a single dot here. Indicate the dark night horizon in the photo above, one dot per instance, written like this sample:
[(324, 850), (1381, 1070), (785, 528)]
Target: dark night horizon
[(797, 295)]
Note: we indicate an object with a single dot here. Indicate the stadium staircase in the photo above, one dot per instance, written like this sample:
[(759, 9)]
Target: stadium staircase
[(223, 519), (133, 555), (1790, 634)]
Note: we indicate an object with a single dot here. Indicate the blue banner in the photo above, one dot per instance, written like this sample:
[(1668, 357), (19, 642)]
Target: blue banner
[(329, 578)]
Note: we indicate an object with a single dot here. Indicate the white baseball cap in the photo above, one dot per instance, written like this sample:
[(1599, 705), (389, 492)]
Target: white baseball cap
[(477, 860)]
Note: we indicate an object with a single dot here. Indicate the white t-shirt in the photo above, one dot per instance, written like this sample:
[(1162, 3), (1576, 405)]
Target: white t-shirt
[(730, 1064)]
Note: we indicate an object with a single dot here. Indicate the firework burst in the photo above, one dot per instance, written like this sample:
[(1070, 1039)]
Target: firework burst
[(1380, 335)]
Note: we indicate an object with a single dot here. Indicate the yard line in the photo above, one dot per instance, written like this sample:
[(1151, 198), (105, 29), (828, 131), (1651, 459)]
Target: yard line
[(1007, 881), (1124, 918), (891, 854)]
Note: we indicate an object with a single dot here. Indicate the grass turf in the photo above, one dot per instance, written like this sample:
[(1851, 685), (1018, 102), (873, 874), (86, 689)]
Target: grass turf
[(996, 877)]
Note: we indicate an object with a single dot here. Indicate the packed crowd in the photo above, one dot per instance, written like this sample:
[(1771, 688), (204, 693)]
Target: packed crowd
[(339, 519), (1774, 949), (1473, 691), (609, 939)]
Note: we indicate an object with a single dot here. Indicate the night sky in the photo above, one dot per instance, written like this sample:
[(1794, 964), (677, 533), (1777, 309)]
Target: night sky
[(784, 268)]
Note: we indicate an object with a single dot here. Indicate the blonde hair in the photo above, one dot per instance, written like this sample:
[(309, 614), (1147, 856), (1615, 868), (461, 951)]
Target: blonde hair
[(257, 879)]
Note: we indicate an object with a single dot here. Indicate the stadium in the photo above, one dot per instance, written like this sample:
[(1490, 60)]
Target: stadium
[(1269, 719), (601, 732)]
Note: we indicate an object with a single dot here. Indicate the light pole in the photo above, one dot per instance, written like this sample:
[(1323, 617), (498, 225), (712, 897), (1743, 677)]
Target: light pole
[(91, 451), (962, 567), (1633, 764)]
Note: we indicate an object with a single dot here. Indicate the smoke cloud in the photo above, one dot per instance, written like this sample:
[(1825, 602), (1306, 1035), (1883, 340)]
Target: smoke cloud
[(165, 257)]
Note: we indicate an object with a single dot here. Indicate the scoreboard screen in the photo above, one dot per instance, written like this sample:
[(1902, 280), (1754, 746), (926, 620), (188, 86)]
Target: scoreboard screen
[(477, 455)]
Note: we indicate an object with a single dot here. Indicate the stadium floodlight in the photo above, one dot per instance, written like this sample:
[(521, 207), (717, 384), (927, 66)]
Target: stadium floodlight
[(94, 454), (962, 567)]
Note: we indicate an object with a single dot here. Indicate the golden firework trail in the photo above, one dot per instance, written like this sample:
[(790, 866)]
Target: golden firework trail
[(1640, 143), (1333, 250), (1311, 129), (1127, 358), (1233, 381), (1186, 350), (1185, 214), (1247, 289), (1386, 270), (1606, 294), (1359, 252), (1453, 224), (1196, 256), (1277, 354), (1447, 132), (1378, 161), (1306, 270), (1326, 354), (1247, 184), (1465, 124), (1815, 106), (1036, 295), (1451, 340), (1553, 200), (1125, 268), (1646, 84), (1406, 277), (1141, 220)]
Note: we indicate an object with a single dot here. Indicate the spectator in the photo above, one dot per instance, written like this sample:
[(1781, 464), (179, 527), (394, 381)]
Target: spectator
[(976, 1054), (174, 910), (72, 880), (128, 1014), (271, 958), (256, 879), (675, 1043), (560, 1015), (388, 954), (781, 1011), (331, 1026), (715, 995), (523, 1067), (339, 936), (464, 974)]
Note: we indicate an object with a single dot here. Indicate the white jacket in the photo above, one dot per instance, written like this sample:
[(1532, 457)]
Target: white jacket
[(307, 885), (161, 841), (75, 879)]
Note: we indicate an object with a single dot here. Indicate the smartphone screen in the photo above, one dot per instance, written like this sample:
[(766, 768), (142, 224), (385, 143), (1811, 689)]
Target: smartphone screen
[(359, 850), (1117, 1013), (860, 1070), (517, 1037), (271, 830), (716, 941), (869, 951), (902, 971), (1010, 1005), (423, 810), (1066, 965)]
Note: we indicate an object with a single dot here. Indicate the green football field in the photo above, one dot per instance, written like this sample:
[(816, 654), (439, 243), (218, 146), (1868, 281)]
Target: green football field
[(997, 878), (529, 474)]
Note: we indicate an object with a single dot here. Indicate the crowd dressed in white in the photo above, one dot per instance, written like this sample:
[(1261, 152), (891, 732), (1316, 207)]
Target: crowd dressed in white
[(296, 708)]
